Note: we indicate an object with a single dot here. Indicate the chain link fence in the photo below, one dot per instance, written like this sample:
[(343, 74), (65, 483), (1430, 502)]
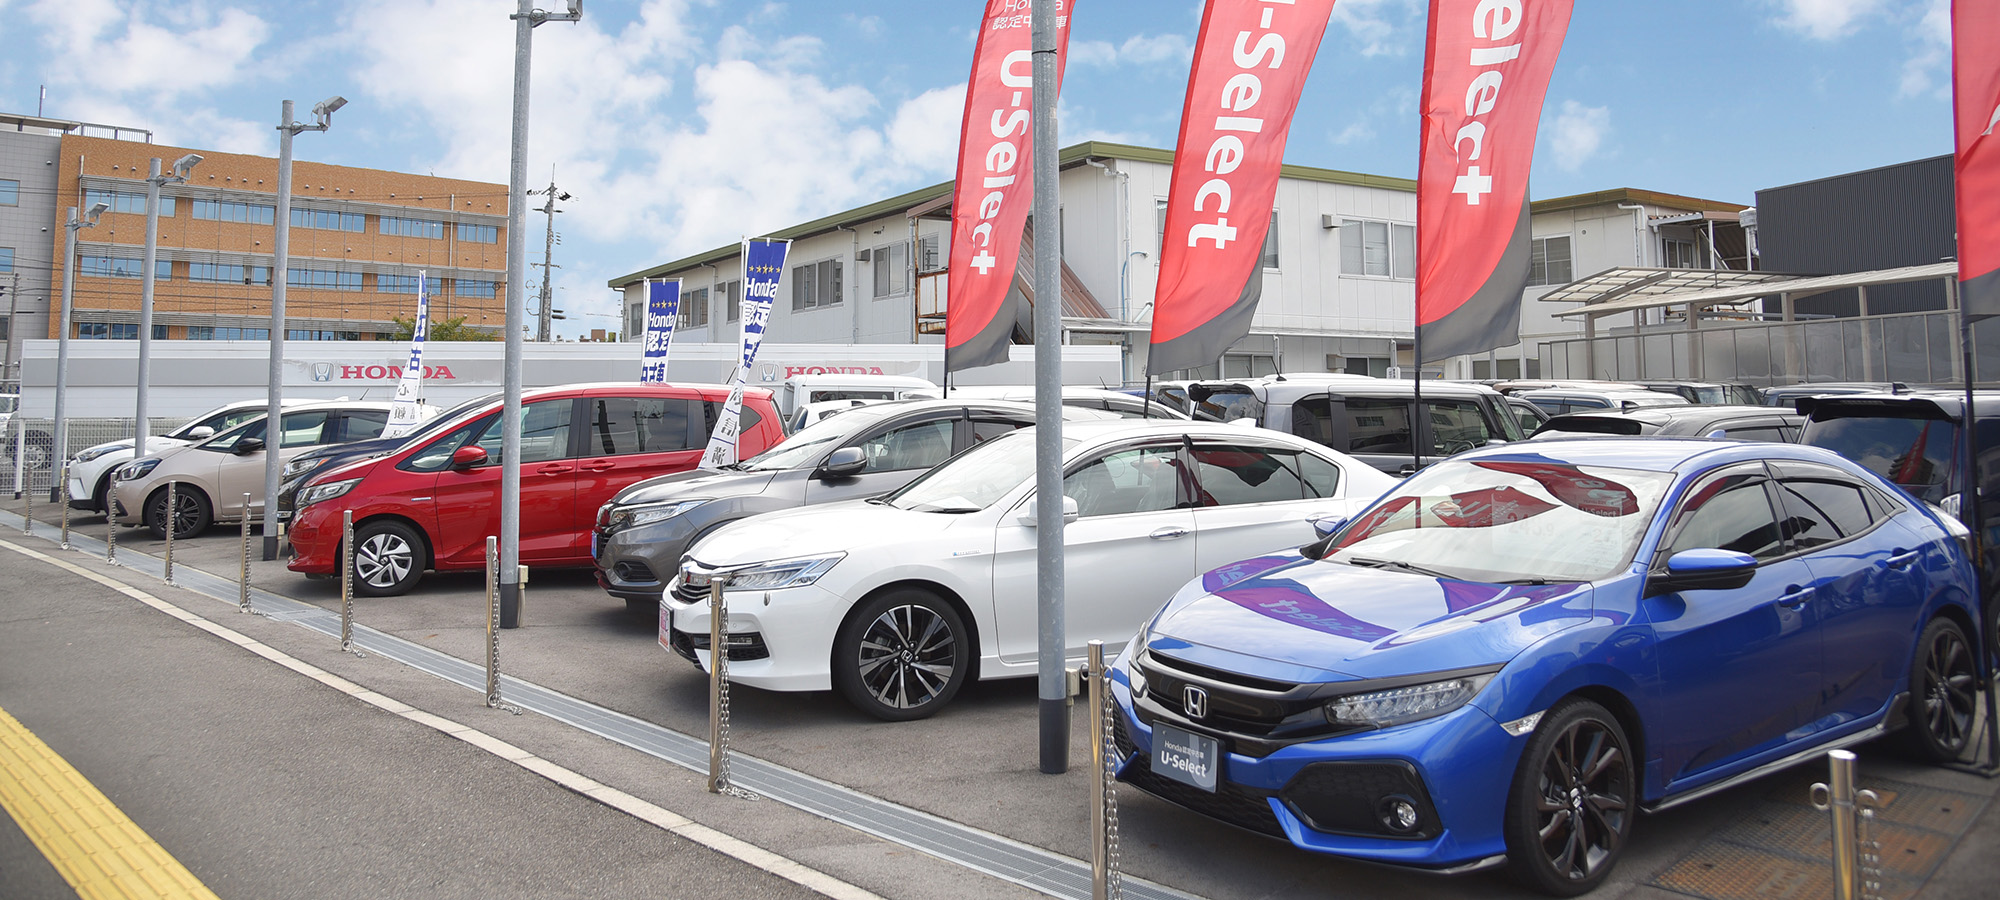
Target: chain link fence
[(28, 457)]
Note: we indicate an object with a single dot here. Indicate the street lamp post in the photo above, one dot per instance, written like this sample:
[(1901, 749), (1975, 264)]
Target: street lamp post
[(280, 264), (525, 21), (60, 451), (154, 181)]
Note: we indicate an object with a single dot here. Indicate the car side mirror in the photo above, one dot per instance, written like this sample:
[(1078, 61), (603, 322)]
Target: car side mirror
[(201, 433), (247, 446), (1325, 524), (1705, 569), (845, 462), (468, 457), (1031, 514)]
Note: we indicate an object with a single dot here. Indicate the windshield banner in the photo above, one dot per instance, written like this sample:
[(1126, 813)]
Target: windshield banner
[(995, 186), (405, 412), (763, 265), (663, 308), (1486, 69), (1975, 82), (1250, 64)]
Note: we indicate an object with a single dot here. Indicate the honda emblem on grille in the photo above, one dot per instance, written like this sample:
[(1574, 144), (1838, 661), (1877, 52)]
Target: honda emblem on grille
[(1194, 701)]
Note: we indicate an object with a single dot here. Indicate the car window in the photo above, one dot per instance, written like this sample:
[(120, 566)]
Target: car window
[(303, 429), (224, 421), (1371, 426), (1230, 405), (1757, 433), (1822, 509), (712, 413), (1457, 426), (226, 442), (1913, 453), (984, 430), (1729, 512), (544, 433), (621, 425), (1322, 478), (437, 454), (362, 424), (916, 446), (1143, 479), (1232, 474)]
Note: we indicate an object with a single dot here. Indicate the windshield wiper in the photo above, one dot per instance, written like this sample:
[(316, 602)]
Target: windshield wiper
[(1397, 564), (1532, 581), (951, 510)]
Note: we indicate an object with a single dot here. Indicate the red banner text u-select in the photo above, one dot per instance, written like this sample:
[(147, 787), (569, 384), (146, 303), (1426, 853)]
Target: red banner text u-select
[(1486, 69), (1250, 63), (1975, 84), (995, 188)]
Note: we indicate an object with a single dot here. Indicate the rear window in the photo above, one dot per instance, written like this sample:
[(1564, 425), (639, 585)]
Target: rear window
[(1230, 405), (1914, 453), (1589, 425)]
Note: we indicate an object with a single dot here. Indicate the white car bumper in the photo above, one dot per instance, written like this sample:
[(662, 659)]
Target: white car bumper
[(796, 627)]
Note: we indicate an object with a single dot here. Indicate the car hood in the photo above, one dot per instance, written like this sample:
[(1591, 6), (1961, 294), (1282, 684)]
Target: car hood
[(818, 530), (370, 446), (693, 485), (355, 468), (1293, 619), (154, 444)]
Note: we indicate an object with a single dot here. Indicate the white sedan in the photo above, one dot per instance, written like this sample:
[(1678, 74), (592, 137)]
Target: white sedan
[(897, 600)]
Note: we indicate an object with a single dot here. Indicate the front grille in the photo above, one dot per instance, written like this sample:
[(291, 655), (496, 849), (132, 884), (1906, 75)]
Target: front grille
[(1348, 798), (1230, 803), (1259, 715), (635, 573), (687, 593)]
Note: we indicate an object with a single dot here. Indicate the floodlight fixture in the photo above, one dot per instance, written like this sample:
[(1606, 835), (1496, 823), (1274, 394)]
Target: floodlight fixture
[(328, 106), (96, 209), (185, 165)]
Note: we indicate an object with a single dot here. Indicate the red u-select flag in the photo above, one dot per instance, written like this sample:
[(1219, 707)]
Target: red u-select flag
[(1250, 63), (1486, 69), (1975, 89), (995, 188)]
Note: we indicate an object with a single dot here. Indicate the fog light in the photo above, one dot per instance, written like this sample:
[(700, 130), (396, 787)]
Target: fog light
[(1399, 814)]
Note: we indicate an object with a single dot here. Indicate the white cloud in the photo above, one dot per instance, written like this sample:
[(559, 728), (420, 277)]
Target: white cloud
[(1139, 49), (1825, 20), (1579, 133), (1354, 132), (924, 132), (164, 50), (1375, 25), (1932, 58)]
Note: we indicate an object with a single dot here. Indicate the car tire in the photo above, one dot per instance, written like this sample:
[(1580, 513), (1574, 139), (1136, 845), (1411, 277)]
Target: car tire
[(388, 558), (902, 655), (100, 499), (1574, 798), (1944, 693), (191, 518)]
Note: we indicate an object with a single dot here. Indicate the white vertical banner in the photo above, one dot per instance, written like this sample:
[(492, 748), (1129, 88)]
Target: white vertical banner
[(763, 265), (404, 411)]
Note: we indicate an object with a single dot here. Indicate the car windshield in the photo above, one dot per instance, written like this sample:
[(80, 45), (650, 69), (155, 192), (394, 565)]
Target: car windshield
[(808, 444), (1230, 405), (1524, 521), (1916, 454), (449, 417), (973, 480)]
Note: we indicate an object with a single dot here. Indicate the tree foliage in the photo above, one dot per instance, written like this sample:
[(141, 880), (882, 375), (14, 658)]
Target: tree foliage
[(452, 329)]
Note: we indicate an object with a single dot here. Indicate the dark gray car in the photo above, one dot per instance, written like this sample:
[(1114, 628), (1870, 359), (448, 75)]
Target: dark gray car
[(1369, 419), (641, 534)]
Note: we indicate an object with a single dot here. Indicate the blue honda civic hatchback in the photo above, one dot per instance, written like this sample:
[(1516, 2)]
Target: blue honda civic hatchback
[(1514, 652)]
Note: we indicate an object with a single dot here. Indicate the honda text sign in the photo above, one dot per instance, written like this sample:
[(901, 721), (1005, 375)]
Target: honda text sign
[(663, 307), (763, 265)]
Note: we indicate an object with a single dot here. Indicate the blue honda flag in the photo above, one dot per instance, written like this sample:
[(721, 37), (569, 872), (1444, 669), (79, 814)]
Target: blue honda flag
[(663, 307), (763, 265)]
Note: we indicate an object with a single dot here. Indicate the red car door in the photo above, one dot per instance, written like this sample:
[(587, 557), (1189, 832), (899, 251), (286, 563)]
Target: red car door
[(628, 439), (468, 500)]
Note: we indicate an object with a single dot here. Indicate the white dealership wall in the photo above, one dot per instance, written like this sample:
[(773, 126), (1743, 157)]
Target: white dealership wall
[(190, 377)]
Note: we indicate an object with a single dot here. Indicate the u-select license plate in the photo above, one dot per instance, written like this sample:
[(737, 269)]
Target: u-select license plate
[(1192, 759)]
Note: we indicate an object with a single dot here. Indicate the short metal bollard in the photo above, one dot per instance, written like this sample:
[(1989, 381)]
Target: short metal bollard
[(718, 691), (111, 522), (243, 573), (173, 520), (493, 622), (27, 500), (1104, 879), (62, 484), (346, 580), (1857, 861)]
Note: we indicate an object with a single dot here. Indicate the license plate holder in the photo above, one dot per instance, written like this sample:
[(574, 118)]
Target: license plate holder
[(1191, 759), (666, 626)]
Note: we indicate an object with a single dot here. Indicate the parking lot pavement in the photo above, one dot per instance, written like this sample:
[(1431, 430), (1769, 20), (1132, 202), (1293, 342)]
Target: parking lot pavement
[(976, 764)]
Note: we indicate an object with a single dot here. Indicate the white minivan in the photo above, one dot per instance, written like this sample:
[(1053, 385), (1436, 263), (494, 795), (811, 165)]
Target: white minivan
[(800, 391)]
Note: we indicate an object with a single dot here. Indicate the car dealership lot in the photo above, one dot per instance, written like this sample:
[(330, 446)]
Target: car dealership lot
[(976, 763)]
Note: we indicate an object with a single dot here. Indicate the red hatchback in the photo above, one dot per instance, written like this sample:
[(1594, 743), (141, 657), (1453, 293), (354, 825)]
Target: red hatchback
[(431, 504)]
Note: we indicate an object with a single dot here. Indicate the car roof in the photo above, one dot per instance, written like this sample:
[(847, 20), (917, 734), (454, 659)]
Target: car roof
[(1106, 430), (1921, 403), (861, 378), (627, 387), (1660, 454), (1666, 417), (1360, 386)]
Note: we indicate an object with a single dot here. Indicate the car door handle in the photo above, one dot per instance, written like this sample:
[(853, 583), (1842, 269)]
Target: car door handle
[(1902, 559), (553, 470), (1168, 534), (1795, 597), (600, 465)]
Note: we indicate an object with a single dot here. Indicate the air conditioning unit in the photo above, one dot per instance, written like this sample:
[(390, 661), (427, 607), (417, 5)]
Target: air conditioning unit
[(863, 255), (1326, 220)]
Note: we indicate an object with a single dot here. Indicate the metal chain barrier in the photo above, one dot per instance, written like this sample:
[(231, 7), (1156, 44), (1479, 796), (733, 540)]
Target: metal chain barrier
[(493, 700), (172, 519), (347, 581), (1869, 847), (718, 691), (243, 575), (111, 521), (62, 489), (1105, 883), (27, 497), (1840, 799)]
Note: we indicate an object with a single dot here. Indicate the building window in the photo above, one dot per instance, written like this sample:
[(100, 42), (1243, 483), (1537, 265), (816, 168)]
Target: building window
[(233, 211), (466, 287), (1679, 255), (121, 267), (219, 273), (694, 309), (312, 334), (479, 234), (1271, 243), (226, 333), (115, 331), (401, 284), (816, 284), (1378, 249), (732, 300), (892, 269), (323, 278), (10, 192), (125, 202), (6, 259), (6, 329), (419, 228), (635, 319), (930, 253), (1549, 261), (328, 220)]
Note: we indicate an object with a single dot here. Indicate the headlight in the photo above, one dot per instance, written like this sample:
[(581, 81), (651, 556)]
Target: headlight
[(1133, 677), (1380, 709), (788, 573), (138, 468), (647, 513), (315, 493), (95, 452), (298, 467)]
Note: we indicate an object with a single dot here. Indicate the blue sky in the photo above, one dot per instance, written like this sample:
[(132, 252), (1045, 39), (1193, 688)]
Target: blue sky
[(680, 125)]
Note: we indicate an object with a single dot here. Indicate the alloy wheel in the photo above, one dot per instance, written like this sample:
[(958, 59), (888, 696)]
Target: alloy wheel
[(1583, 800), (383, 560), (1949, 703), (906, 656)]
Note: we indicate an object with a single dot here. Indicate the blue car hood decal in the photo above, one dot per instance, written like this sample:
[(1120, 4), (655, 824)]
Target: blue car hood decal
[(1294, 619)]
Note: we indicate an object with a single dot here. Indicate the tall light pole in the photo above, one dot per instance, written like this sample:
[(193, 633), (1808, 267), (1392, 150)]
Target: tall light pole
[(154, 181), (280, 265), (1051, 644), (60, 451), (542, 329), (525, 21)]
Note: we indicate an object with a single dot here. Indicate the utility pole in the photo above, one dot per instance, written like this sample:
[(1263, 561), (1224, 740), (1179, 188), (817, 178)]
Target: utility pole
[(549, 209), (13, 306)]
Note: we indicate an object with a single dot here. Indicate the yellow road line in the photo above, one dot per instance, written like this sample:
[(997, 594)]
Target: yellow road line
[(91, 842)]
